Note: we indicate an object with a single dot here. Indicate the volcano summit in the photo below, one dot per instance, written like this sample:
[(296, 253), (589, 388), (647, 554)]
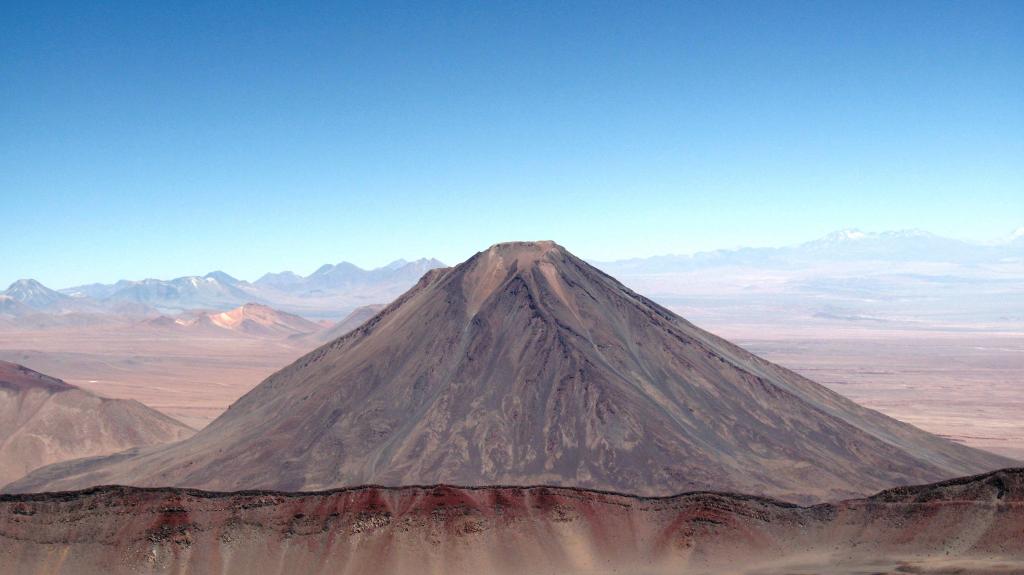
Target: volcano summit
[(524, 365)]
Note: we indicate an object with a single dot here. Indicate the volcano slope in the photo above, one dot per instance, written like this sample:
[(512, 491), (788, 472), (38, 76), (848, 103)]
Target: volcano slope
[(525, 365), (44, 420), (971, 525)]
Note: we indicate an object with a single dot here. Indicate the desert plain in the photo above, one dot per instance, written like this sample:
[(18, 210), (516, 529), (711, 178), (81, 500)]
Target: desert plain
[(957, 383)]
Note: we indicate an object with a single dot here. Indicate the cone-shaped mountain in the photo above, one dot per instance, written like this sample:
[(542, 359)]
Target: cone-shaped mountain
[(525, 365)]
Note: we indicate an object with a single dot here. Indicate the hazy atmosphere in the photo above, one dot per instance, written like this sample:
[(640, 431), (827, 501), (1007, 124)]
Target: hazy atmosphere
[(512, 288), (146, 140)]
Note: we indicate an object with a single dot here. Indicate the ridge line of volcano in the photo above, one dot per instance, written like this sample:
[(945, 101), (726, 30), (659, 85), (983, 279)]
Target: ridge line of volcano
[(44, 496)]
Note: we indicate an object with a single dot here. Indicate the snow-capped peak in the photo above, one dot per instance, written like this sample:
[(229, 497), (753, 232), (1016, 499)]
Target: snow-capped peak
[(27, 284), (845, 235), (28, 288)]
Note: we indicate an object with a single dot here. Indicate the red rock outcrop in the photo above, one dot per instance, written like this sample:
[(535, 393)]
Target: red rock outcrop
[(974, 525)]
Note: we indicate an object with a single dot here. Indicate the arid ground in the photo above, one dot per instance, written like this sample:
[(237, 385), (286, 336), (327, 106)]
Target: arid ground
[(961, 384), (969, 525), (192, 378)]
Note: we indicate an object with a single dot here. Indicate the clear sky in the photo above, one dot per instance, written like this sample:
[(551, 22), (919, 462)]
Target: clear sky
[(150, 139)]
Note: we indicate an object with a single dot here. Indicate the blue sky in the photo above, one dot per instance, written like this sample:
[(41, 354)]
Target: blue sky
[(162, 139)]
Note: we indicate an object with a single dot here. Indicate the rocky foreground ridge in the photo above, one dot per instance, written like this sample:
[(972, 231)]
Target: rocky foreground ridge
[(974, 525)]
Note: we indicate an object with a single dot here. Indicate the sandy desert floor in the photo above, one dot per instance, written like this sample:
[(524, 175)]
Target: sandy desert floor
[(191, 378), (966, 385)]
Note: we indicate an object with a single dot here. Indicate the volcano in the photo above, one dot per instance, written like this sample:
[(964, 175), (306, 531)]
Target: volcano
[(525, 365)]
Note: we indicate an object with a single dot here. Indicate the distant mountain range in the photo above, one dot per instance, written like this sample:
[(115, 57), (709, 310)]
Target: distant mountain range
[(843, 246), (848, 274), (345, 276), (332, 290), (900, 279)]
